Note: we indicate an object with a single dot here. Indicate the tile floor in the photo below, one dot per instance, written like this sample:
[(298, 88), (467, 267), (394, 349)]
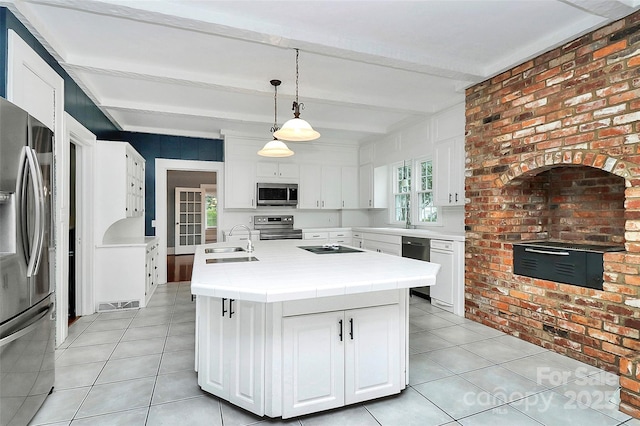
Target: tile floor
[(136, 368)]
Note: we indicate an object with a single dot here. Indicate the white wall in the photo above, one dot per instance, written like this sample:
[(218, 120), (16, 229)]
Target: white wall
[(412, 142)]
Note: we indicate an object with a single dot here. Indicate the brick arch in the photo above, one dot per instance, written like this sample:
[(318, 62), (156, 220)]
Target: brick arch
[(572, 157)]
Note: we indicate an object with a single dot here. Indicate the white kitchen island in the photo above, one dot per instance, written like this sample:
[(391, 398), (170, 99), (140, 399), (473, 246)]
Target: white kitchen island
[(293, 332)]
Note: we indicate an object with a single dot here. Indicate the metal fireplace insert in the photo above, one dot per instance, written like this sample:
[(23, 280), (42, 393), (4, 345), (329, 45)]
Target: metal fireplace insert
[(569, 263)]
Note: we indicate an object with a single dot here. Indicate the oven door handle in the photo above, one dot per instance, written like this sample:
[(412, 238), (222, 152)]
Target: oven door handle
[(554, 253)]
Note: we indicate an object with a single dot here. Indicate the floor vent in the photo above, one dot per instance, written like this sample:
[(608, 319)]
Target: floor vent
[(115, 306)]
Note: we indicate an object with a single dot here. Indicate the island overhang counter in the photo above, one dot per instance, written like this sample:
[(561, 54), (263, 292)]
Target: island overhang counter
[(283, 332)]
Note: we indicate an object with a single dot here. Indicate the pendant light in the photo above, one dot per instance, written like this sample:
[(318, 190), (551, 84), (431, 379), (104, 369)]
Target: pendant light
[(297, 129), (275, 148)]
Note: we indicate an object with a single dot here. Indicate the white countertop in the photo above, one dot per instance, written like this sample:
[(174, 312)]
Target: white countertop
[(425, 233), (286, 272), (129, 242)]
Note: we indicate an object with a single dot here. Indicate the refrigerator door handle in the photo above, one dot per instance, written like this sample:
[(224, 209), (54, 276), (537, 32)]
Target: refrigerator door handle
[(20, 202), (36, 243), (26, 330), (40, 202)]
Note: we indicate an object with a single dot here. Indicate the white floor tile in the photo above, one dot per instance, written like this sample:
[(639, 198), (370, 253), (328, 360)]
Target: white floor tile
[(136, 367), (115, 397)]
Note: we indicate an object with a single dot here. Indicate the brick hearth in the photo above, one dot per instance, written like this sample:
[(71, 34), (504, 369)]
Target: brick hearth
[(553, 152)]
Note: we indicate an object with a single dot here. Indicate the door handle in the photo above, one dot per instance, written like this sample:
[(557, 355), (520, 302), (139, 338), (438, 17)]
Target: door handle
[(554, 253), (340, 323), (231, 308), (224, 311), (351, 328), (28, 329)]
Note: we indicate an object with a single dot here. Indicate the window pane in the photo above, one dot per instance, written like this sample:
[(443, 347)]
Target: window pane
[(212, 211), (426, 211)]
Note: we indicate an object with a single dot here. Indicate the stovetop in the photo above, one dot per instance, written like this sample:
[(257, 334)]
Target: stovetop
[(598, 248)]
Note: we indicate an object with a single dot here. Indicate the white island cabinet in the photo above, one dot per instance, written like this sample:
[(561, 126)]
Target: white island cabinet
[(333, 333)]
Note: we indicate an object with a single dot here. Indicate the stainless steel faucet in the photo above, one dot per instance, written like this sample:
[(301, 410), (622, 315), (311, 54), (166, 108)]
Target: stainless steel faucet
[(249, 243)]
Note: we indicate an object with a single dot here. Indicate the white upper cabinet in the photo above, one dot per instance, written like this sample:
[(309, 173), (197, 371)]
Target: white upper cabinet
[(449, 172), (119, 185), (240, 188), (320, 187), (269, 170), (350, 195)]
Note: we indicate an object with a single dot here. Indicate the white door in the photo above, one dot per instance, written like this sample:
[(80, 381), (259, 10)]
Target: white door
[(190, 220), (331, 187), (211, 347), (372, 353), (310, 186), (313, 363), (442, 292), (245, 346)]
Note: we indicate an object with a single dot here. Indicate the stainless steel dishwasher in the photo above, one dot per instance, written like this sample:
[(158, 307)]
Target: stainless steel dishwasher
[(417, 248)]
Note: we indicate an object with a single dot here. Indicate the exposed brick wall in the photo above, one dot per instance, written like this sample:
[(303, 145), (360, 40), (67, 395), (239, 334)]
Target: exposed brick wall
[(553, 152)]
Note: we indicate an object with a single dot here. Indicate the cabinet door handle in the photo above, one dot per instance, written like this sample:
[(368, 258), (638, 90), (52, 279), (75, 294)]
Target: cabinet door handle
[(449, 197), (224, 311), (322, 203), (340, 323), (231, 308), (351, 328), (456, 197)]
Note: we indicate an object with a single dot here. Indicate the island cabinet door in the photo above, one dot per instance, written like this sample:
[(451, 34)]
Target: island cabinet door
[(372, 353), (230, 351), (211, 347), (246, 355), (313, 363)]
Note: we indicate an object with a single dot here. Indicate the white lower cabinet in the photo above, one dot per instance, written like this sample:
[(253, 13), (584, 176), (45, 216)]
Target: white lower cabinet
[(151, 265), (231, 351), (285, 359), (383, 243), (336, 358), (448, 291)]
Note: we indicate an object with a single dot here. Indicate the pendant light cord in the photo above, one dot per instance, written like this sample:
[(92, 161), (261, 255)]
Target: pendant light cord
[(296, 105), (275, 84)]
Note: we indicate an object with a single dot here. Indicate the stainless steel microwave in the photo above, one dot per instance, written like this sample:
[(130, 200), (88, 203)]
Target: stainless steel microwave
[(277, 194)]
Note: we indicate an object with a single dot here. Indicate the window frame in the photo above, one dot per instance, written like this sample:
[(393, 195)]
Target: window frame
[(414, 192)]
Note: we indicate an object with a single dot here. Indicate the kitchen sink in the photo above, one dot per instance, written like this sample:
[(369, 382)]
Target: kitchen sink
[(224, 250), (233, 259)]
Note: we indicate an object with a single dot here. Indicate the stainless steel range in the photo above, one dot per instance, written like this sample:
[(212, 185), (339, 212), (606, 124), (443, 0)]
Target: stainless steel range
[(279, 227)]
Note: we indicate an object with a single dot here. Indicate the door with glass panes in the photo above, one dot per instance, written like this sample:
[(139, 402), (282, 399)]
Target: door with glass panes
[(190, 219)]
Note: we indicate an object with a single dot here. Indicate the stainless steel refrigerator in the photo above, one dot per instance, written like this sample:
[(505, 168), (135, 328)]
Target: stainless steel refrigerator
[(27, 314)]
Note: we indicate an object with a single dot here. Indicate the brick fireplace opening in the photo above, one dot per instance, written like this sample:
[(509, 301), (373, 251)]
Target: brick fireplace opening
[(553, 153)]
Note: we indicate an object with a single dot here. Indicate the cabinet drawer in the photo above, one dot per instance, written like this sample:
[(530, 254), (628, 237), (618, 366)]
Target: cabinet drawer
[(340, 303), (316, 235), (340, 234), (442, 245), (385, 238)]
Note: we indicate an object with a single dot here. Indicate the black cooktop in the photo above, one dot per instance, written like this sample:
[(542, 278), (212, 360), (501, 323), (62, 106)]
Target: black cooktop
[(329, 248), (572, 246)]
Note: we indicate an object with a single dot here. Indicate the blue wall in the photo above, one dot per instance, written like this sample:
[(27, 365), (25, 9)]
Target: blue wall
[(80, 107)]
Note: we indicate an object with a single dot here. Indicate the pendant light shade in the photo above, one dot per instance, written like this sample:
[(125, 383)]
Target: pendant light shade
[(275, 148), (296, 129)]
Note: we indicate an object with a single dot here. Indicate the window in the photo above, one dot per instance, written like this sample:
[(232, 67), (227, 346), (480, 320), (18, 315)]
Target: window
[(427, 212), (211, 207), (402, 192), (413, 193)]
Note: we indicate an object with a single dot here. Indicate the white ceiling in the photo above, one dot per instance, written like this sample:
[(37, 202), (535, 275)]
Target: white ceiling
[(196, 68)]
